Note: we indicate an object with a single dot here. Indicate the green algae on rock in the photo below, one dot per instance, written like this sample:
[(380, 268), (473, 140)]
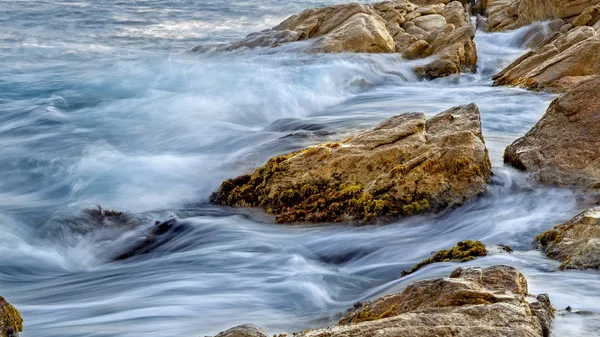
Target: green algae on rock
[(575, 243), (11, 322), (463, 251), (406, 165)]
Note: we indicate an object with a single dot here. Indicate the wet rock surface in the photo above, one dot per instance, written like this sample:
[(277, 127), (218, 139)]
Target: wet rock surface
[(415, 31), (563, 148), (473, 301), (11, 322), (484, 302), (406, 165), (576, 243)]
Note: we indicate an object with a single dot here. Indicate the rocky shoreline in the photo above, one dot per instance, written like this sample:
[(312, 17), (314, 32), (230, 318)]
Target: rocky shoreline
[(409, 165)]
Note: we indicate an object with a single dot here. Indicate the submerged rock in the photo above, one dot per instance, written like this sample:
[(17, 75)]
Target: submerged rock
[(406, 165), (463, 251), (575, 243), (563, 147), (11, 322), (245, 330), (481, 302), (415, 31)]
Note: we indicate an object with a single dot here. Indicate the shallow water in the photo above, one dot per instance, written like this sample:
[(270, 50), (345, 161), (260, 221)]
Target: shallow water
[(100, 103)]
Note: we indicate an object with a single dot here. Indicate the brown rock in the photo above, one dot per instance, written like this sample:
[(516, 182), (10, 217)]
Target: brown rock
[(564, 146), (573, 54), (472, 302), (405, 165), (575, 243), (11, 323), (510, 14)]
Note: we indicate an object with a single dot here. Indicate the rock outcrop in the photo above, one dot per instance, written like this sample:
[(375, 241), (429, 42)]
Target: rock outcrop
[(244, 330), (406, 165), (463, 251), (511, 14), (11, 322), (415, 31), (563, 148), (473, 302), (575, 243), (563, 60)]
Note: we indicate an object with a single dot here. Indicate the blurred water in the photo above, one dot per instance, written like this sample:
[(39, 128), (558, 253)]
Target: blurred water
[(100, 103)]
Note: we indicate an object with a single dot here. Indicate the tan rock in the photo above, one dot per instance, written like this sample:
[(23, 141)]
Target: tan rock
[(564, 146), (588, 17), (11, 323), (575, 243), (430, 23), (510, 14), (405, 165), (573, 54), (361, 33), (384, 27), (472, 302)]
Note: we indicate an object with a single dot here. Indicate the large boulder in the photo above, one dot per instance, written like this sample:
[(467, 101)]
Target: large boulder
[(482, 302), (405, 165), (561, 61), (575, 243), (415, 31), (11, 322), (564, 146), (511, 14)]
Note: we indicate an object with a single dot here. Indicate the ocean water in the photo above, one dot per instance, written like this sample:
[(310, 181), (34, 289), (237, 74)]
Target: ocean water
[(101, 103)]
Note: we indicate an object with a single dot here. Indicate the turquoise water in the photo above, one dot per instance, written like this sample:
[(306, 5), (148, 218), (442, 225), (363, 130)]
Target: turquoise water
[(101, 102)]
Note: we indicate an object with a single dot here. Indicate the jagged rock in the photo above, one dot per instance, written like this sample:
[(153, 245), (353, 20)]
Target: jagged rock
[(575, 243), (563, 147), (384, 27), (482, 302), (406, 165), (245, 330), (563, 59), (511, 14), (11, 322)]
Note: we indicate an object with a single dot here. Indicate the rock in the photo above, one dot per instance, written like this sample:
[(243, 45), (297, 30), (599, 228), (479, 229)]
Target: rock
[(563, 148), (361, 33), (430, 23), (384, 27), (572, 54), (406, 165), (463, 251), (158, 235), (575, 243), (482, 302), (11, 322), (455, 49), (511, 14), (244, 330)]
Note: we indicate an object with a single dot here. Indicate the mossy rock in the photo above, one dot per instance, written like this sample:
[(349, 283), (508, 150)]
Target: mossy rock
[(404, 166), (463, 251), (11, 322), (576, 243)]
